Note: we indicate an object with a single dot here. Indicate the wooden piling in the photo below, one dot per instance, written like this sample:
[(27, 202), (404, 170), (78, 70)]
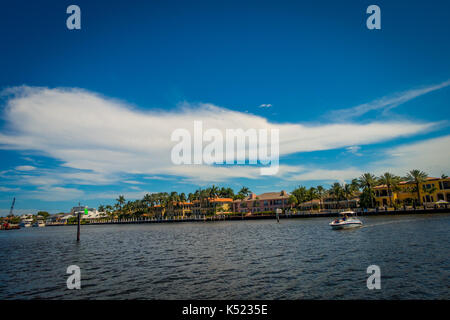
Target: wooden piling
[(78, 227)]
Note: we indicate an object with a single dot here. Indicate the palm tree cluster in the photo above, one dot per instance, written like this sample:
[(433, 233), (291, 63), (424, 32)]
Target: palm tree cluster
[(363, 187), (172, 200), (337, 192)]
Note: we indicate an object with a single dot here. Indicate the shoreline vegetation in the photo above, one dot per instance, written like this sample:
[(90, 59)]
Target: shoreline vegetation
[(368, 194), (203, 201)]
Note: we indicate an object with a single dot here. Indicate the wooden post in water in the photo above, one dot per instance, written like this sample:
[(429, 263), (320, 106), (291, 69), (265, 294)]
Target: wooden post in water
[(78, 226)]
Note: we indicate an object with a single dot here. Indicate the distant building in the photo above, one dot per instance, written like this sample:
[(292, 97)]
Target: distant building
[(180, 209), (55, 219), (210, 206), (430, 191), (92, 213), (269, 201)]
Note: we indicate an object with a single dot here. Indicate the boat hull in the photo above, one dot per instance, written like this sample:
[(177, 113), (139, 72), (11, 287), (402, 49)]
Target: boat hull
[(348, 224)]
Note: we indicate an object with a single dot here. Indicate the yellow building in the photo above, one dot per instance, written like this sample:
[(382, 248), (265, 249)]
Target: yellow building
[(212, 206), (432, 190), (174, 209)]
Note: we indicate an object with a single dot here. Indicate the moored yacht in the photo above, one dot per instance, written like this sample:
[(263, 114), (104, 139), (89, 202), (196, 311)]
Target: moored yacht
[(25, 224), (347, 221), (39, 223)]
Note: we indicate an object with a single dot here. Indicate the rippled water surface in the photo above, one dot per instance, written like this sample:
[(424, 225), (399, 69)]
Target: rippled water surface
[(295, 259)]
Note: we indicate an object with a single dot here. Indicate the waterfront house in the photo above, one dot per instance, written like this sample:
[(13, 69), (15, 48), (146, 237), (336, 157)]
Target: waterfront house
[(92, 213), (269, 201), (430, 191), (177, 209), (66, 217), (210, 206), (54, 219)]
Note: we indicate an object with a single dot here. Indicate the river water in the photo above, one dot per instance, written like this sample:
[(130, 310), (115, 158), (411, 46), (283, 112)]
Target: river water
[(293, 259)]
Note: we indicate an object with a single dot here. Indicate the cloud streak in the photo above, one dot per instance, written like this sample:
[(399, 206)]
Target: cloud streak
[(384, 104)]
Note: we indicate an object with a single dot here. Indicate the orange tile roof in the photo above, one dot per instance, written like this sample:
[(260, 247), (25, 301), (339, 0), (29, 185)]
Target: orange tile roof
[(406, 182), (222, 200)]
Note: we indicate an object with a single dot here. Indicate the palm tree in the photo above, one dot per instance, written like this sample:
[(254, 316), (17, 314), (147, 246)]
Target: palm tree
[(148, 199), (348, 190), (391, 181), (109, 209), (368, 181), (312, 194), (120, 201), (226, 192), (244, 191), (173, 198), (416, 176), (301, 193), (292, 201), (355, 184), (320, 193), (337, 192), (213, 193)]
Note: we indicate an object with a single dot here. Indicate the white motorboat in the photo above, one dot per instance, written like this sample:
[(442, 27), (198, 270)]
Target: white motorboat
[(25, 224), (39, 223), (347, 221)]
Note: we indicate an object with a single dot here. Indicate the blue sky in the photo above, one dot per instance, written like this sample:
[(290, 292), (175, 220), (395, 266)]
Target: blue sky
[(79, 108)]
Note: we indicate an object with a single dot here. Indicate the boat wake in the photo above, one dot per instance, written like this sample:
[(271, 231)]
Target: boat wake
[(391, 222)]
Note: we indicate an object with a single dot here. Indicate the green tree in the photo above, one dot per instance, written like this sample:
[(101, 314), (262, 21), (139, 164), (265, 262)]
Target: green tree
[(391, 181), (320, 192), (367, 181), (301, 193), (120, 202), (311, 194), (416, 176), (348, 191), (336, 192), (292, 201), (245, 192), (366, 198), (44, 214)]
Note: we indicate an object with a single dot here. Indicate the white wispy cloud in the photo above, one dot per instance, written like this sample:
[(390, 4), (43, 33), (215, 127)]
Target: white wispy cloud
[(104, 138), (132, 182), (25, 168), (265, 105), (430, 155), (327, 175), (54, 193), (8, 189), (385, 103)]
